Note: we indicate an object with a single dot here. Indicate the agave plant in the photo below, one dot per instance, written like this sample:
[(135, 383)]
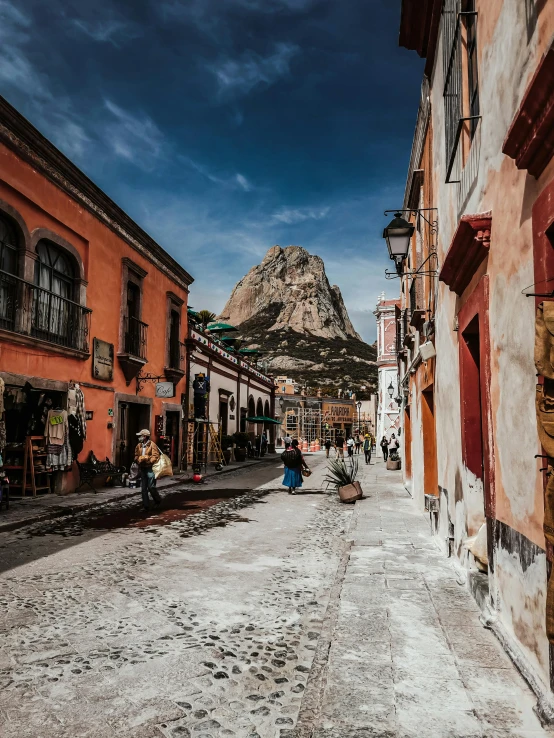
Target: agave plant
[(340, 474)]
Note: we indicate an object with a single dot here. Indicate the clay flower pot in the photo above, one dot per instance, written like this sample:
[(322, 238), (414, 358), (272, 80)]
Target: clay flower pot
[(393, 465), (350, 492)]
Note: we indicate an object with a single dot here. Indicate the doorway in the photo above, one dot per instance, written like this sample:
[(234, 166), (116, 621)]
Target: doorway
[(172, 425), (408, 443), (430, 472), (224, 415), (132, 418), (472, 411)]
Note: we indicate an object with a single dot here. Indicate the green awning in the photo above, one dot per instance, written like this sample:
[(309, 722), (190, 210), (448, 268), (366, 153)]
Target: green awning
[(192, 312), (221, 328), (229, 339), (262, 419), (249, 352)]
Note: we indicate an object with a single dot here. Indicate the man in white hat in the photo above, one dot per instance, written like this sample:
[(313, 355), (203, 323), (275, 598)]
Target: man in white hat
[(146, 455)]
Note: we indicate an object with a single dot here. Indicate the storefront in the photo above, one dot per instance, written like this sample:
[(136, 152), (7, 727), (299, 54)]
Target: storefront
[(42, 430)]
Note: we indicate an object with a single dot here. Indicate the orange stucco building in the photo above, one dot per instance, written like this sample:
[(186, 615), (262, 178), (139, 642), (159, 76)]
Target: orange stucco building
[(86, 297)]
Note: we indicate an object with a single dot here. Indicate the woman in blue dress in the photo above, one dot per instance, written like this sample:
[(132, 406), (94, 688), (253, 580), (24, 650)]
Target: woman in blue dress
[(294, 462)]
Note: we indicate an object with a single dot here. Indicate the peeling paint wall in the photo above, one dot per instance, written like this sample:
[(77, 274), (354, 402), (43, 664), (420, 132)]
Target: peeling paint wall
[(510, 48)]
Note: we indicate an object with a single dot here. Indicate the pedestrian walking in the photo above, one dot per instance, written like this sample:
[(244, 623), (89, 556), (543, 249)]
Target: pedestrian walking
[(328, 444), (350, 446), (394, 444), (146, 455), (367, 448), (359, 439), (294, 463), (288, 441), (385, 447), (339, 445)]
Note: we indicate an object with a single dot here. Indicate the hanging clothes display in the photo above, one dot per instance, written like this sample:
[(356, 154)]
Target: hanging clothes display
[(80, 410), (75, 435), (56, 427), (58, 450)]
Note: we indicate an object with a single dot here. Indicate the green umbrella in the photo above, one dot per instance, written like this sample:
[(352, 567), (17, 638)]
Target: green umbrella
[(262, 419), (229, 339), (221, 328), (192, 312), (249, 351)]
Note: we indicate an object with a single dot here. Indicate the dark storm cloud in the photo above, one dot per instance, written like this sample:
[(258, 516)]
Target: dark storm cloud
[(225, 126)]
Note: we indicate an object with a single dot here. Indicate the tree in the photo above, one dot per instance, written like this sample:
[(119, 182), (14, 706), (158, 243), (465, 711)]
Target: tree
[(205, 317)]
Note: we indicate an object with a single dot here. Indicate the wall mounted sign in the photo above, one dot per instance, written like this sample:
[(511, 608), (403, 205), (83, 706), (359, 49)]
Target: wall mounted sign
[(89, 414), (110, 412), (231, 417), (165, 389), (335, 413), (102, 360), (232, 404)]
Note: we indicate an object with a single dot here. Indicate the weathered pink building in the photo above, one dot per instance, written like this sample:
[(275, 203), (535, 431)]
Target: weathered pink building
[(388, 414), (480, 193)]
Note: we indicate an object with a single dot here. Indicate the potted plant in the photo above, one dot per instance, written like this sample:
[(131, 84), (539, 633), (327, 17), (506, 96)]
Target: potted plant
[(227, 448), (342, 476), (393, 462), (241, 443)]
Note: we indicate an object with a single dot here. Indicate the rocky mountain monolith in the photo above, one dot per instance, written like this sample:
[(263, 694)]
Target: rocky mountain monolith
[(287, 308)]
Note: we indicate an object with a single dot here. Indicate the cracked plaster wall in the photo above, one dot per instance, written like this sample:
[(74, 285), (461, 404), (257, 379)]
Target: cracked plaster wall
[(507, 59)]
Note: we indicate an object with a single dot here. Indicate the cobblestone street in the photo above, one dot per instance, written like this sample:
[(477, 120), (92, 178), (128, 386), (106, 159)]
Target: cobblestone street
[(261, 615)]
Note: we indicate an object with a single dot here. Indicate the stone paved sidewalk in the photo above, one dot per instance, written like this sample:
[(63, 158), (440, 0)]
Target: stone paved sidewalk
[(408, 656)]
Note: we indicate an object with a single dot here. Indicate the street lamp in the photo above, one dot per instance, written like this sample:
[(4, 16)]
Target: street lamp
[(398, 235), (359, 406), (390, 389)]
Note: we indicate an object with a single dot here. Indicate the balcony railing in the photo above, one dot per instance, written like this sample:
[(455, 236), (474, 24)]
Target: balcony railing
[(135, 337), (30, 310)]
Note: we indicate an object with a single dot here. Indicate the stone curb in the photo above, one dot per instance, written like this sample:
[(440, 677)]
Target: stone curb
[(60, 512)]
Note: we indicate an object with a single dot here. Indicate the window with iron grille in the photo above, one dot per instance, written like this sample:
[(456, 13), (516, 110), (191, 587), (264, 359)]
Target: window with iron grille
[(459, 19)]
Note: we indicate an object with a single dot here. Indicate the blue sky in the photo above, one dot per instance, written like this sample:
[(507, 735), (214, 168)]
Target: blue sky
[(224, 127)]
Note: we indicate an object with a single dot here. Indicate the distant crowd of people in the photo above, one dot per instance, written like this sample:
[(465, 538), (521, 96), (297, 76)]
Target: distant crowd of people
[(296, 467)]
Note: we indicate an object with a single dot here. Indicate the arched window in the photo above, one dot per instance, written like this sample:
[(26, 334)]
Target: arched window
[(259, 408), (55, 315), (8, 247), (54, 270), (266, 409), (251, 407), (8, 267)]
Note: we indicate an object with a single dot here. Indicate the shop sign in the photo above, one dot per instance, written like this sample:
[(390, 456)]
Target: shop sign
[(102, 360), (333, 413), (165, 389)]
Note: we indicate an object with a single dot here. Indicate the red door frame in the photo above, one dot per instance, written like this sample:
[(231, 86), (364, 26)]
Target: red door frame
[(477, 306)]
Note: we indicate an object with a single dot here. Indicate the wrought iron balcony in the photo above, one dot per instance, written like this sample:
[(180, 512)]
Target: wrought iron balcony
[(33, 311), (135, 337)]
